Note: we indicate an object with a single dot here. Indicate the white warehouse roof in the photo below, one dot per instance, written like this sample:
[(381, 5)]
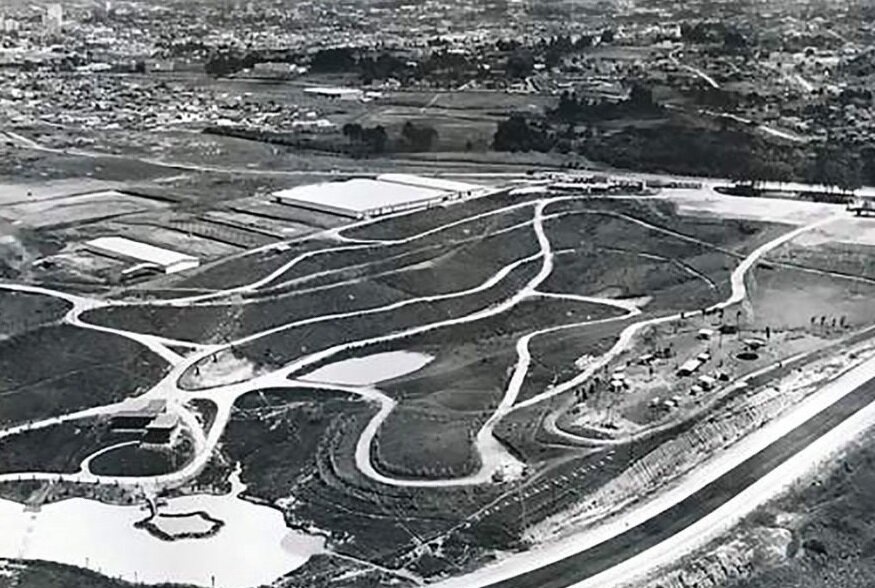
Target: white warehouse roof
[(120, 246), (330, 91), (426, 182), (358, 197)]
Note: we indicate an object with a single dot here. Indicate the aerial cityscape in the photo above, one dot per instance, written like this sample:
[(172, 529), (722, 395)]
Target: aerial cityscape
[(440, 293)]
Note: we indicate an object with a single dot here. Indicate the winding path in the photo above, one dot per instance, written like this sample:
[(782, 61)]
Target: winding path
[(495, 459)]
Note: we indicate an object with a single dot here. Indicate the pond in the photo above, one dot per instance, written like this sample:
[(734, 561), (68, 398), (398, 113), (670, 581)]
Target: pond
[(371, 369), (253, 547)]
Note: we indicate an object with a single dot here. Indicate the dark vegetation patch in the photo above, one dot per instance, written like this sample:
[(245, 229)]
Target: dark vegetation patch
[(44, 574), (60, 448), (377, 522), (206, 410), (60, 369), (23, 311), (323, 571), (421, 443), (274, 434), (144, 460)]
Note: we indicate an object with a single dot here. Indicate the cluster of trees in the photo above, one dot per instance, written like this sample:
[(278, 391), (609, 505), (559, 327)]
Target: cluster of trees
[(714, 32), (572, 109), (223, 64), (439, 64), (418, 137), (366, 139), (519, 134), (230, 61), (361, 140), (334, 60), (374, 140)]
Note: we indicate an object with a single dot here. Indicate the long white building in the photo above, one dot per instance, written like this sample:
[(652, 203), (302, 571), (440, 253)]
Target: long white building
[(122, 248), (363, 198)]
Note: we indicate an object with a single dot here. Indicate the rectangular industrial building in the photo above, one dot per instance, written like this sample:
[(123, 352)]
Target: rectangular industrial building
[(336, 93), (359, 198), (432, 183), (165, 259), (363, 198)]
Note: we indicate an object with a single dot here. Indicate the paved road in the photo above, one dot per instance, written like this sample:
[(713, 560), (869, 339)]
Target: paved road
[(576, 568)]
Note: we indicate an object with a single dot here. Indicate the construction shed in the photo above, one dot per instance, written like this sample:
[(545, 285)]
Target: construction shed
[(138, 418)]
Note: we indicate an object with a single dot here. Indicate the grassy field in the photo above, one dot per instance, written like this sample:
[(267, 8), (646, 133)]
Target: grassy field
[(54, 370), (222, 322), (23, 312), (134, 460), (281, 348)]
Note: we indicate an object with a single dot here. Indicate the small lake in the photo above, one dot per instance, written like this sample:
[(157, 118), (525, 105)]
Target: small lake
[(253, 548), (371, 369)]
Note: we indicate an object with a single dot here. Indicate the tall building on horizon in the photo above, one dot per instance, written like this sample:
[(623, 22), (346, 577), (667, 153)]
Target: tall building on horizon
[(53, 20)]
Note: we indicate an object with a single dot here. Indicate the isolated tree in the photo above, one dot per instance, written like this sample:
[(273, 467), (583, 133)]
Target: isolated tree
[(520, 64)]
